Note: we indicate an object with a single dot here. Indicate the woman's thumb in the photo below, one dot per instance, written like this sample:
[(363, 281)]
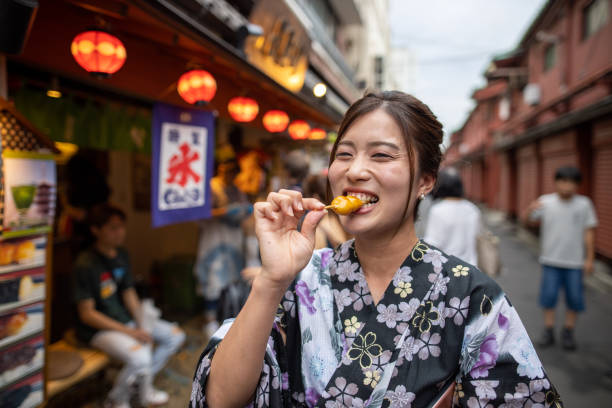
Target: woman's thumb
[(309, 225)]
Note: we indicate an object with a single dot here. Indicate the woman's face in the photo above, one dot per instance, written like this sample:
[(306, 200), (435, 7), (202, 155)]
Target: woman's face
[(371, 162)]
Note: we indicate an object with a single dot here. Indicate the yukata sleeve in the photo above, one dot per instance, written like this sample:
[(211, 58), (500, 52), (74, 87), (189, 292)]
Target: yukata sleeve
[(499, 366), (272, 388)]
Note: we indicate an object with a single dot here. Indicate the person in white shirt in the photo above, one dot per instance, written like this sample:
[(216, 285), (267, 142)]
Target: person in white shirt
[(453, 223), (567, 233)]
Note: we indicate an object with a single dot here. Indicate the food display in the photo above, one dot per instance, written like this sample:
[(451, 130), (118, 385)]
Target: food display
[(344, 205)]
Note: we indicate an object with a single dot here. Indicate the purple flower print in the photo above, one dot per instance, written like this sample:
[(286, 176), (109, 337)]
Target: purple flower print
[(502, 322), (285, 381), (301, 289), (312, 396), (487, 357), (325, 257)]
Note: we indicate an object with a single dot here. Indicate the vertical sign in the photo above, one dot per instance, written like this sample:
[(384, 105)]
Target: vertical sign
[(183, 144)]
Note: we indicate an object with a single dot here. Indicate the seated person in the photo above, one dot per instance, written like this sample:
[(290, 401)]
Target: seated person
[(109, 312)]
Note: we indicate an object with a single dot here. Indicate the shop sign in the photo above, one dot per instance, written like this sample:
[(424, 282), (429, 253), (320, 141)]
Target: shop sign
[(182, 164), (282, 51), (29, 193)]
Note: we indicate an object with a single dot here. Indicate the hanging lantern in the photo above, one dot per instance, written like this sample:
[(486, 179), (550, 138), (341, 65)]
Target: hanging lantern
[(317, 134), (298, 130), (98, 52), (197, 86), (242, 109), (275, 121)]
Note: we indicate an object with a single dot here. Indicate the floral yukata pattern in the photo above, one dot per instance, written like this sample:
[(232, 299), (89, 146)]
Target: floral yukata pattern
[(440, 321)]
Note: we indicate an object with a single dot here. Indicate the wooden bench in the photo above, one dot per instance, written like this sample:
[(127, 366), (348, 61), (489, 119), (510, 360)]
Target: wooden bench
[(93, 362)]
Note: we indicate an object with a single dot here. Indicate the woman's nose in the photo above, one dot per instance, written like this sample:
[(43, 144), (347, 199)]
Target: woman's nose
[(358, 169)]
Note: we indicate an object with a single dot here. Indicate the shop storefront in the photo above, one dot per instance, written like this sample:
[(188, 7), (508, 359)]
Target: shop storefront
[(262, 87)]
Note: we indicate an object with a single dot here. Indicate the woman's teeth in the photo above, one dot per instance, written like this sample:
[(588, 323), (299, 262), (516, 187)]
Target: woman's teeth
[(368, 199)]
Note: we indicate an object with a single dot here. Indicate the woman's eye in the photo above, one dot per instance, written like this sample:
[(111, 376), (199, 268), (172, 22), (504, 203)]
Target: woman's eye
[(343, 154), (382, 156)]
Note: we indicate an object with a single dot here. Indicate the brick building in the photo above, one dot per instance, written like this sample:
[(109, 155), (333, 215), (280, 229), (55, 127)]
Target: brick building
[(546, 104)]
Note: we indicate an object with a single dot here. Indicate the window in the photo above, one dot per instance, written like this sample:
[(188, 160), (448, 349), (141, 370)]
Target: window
[(550, 56), (326, 16), (378, 72), (594, 16)]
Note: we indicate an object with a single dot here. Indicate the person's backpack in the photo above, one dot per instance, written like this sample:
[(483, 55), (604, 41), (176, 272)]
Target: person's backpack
[(231, 300)]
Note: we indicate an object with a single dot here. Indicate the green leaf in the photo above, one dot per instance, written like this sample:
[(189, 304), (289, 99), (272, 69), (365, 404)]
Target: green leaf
[(306, 336)]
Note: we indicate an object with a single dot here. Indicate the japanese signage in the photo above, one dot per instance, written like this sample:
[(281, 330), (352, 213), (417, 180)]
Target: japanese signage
[(282, 51), (182, 164)]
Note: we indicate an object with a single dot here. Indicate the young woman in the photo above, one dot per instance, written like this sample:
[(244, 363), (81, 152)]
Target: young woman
[(454, 223), (386, 319)]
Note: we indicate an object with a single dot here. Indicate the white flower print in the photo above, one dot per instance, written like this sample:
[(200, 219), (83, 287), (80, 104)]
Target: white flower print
[(343, 391), (435, 258), (360, 296), (343, 254), (539, 385), (485, 389), (525, 355), (457, 310), (380, 362), (346, 271), (518, 399), (473, 402), (343, 298), (403, 275), (263, 388), (289, 303), (407, 310), (352, 325), (427, 345), (409, 349), (439, 285), (400, 398), (387, 315), (441, 321), (317, 366)]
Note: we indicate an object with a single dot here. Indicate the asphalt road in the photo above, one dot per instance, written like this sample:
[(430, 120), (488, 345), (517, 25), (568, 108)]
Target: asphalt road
[(577, 375)]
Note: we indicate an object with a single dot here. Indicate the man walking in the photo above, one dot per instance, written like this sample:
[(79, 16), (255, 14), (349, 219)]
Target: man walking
[(567, 231)]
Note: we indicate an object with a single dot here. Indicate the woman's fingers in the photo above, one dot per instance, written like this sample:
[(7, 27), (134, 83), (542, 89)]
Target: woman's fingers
[(266, 210), (296, 199), (312, 204)]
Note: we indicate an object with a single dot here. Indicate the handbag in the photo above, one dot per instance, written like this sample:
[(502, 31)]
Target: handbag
[(487, 247)]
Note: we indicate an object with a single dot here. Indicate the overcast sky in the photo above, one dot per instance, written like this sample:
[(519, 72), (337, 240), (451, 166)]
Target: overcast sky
[(453, 42)]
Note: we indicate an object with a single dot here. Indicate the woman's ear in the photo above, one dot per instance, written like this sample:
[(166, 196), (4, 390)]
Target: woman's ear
[(426, 184)]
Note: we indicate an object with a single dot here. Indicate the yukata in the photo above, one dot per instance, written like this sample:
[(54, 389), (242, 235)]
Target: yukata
[(441, 323)]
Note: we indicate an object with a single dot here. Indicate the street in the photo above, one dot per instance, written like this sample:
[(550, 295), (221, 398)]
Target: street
[(577, 375)]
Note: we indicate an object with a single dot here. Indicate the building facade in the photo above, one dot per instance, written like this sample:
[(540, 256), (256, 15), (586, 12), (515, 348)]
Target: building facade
[(546, 104)]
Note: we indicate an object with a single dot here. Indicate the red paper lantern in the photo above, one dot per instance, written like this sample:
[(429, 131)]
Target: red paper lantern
[(275, 121), (299, 129), (98, 52), (197, 86), (317, 134), (243, 109)]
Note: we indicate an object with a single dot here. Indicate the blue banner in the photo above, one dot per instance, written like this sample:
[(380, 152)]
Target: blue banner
[(183, 153)]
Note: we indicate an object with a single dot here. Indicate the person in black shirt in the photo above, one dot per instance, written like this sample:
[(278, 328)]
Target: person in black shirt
[(110, 313)]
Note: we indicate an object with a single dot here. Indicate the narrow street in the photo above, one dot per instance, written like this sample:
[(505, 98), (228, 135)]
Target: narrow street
[(577, 375)]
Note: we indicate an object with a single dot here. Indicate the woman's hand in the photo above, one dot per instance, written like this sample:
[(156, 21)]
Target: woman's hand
[(285, 251)]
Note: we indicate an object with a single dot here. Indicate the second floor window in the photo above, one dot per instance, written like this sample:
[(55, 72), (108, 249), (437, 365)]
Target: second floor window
[(550, 56), (378, 72), (594, 17)]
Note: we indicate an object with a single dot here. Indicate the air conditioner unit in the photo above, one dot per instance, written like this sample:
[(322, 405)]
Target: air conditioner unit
[(504, 108), (531, 94)]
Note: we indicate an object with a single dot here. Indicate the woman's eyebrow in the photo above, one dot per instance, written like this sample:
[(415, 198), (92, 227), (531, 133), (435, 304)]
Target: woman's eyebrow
[(381, 143)]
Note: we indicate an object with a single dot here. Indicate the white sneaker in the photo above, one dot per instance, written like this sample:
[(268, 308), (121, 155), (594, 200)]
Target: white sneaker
[(155, 397), (210, 328)]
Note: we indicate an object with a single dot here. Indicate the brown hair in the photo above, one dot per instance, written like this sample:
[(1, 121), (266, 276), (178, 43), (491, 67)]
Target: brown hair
[(421, 130)]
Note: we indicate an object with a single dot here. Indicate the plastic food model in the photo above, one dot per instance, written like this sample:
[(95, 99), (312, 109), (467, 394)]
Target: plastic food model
[(344, 205)]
